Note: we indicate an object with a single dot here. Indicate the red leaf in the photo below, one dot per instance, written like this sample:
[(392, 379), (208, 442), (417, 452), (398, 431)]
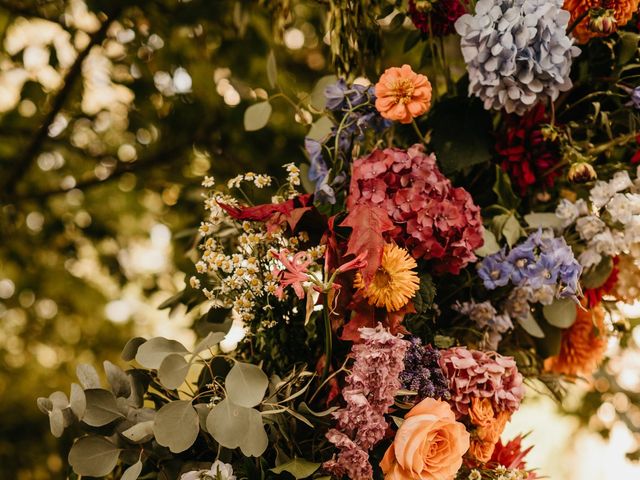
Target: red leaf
[(275, 213), (368, 224)]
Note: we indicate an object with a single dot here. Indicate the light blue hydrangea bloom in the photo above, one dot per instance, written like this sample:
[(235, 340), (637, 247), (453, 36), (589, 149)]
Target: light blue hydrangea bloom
[(517, 52)]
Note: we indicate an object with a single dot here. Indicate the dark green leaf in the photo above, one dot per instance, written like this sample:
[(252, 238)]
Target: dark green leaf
[(504, 191), (298, 467), (425, 295), (102, 407), (561, 313), (272, 69), (413, 37), (131, 348), (598, 275), (119, 381), (257, 116), (93, 456)]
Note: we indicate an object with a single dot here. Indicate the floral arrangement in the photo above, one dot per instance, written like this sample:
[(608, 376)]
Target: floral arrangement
[(380, 316)]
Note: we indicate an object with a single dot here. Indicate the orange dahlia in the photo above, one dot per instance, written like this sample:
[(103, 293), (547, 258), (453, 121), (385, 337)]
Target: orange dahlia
[(402, 94), (394, 283), (622, 11), (583, 344)]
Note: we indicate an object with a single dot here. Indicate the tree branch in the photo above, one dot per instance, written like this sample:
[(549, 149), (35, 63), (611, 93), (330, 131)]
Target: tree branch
[(23, 163)]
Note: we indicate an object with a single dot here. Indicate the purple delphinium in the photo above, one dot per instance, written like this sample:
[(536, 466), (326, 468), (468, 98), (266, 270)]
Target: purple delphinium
[(542, 264), (634, 97), (422, 373), (353, 110)]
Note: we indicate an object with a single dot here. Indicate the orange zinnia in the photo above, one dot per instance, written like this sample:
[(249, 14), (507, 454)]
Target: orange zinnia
[(623, 10), (583, 344), (402, 94)]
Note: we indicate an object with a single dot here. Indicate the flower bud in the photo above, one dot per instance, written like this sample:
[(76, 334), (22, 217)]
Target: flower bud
[(602, 21), (581, 172), (549, 133), (424, 6)]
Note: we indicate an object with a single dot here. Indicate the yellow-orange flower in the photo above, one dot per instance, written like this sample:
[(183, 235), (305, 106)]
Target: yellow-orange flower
[(394, 283), (481, 412), (492, 430), (583, 344), (623, 10), (480, 450), (429, 444), (402, 94)]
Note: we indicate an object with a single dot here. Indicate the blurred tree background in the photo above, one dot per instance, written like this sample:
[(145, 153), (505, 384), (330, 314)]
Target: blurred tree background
[(111, 112)]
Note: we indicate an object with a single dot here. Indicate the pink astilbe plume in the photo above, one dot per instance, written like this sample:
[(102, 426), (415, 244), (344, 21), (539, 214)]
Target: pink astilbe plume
[(368, 394)]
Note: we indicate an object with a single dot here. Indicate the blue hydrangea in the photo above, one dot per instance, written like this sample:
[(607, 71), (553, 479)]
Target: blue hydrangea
[(543, 264), (353, 109), (517, 52)]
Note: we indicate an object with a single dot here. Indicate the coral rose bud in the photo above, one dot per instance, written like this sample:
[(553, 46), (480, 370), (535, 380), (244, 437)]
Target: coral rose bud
[(481, 412), (481, 451)]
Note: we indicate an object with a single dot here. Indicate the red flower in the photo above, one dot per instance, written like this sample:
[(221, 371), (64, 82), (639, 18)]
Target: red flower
[(524, 152), (511, 455), (431, 218), (438, 16), (636, 156), (594, 295)]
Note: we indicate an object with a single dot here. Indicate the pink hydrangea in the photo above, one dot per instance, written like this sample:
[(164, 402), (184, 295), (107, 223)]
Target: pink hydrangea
[(433, 219), (472, 373), (368, 394)]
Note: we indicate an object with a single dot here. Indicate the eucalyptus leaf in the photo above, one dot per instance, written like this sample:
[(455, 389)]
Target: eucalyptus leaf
[(77, 400), (131, 348), (255, 440), (598, 275), (173, 371), (298, 467), (93, 456), (512, 230), (102, 407), (152, 352), (133, 472), (318, 99), (119, 381), (320, 129), (504, 191), (490, 245), (257, 116), (176, 426), (531, 326), (424, 297), (228, 423), (56, 422), (139, 433), (59, 400), (246, 384), (202, 409), (543, 220), (88, 376), (211, 340), (561, 313), (45, 405)]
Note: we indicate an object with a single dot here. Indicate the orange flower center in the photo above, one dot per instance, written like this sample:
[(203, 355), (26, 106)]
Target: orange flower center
[(403, 90), (382, 278)]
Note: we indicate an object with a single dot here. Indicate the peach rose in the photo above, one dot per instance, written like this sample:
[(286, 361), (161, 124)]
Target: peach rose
[(402, 94), (429, 444), (481, 412), (491, 432), (481, 451)]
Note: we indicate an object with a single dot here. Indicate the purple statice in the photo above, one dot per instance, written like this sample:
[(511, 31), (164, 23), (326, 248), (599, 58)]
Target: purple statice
[(422, 373), (368, 393), (543, 265), (353, 110)]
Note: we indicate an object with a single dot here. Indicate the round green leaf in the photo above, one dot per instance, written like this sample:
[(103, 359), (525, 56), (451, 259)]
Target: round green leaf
[(102, 407), (131, 348), (133, 472), (211, 340), (176, 426), (598, 275), (531, 326), (255, 441), (298, 467), (152, 352), (59, 400), (119, 381), (77, 400), (88, 376), (490, 245), (246, 384), (228, 423), (56, 422), (45, 404), (257, 116), (543, 220), (561, 313), (140, 433), (93, 456), (173, 370)]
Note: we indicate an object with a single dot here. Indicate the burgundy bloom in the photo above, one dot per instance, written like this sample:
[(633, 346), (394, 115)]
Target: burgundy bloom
[(437, 16), (524, 152), (433, 219)]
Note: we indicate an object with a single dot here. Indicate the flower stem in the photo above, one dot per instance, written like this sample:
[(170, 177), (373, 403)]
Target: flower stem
[(328, 340), (417, 130), (577, 21)]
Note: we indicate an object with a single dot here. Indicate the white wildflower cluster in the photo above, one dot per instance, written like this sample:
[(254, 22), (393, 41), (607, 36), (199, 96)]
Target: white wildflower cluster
[(238, 257), (499, 473), (218, 471), (486, 317), (611, 225), (259, 180)]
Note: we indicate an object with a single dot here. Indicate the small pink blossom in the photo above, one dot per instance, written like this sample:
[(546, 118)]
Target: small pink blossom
[(294, 273)]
